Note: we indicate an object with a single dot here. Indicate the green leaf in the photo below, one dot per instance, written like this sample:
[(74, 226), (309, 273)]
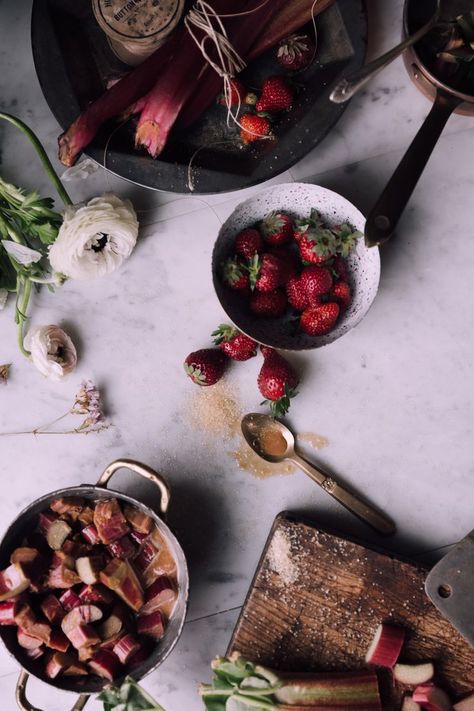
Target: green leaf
[(7, 272), (130, 696), (46, 232)]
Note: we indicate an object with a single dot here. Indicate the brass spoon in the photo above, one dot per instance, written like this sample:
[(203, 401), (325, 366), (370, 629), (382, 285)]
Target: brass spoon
[(274, 442)]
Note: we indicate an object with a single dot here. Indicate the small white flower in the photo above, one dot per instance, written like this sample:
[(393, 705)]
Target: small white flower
[(80, 171), (52, 351), (94, 238), (20, 253)]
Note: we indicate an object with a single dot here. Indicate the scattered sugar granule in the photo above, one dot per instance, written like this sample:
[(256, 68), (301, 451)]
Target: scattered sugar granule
[(215, 411), (280, 559)]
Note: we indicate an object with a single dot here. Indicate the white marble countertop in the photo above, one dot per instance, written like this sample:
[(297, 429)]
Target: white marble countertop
[(393, 397)]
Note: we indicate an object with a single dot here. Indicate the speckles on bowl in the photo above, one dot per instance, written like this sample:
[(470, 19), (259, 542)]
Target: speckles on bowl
[(297, 199)]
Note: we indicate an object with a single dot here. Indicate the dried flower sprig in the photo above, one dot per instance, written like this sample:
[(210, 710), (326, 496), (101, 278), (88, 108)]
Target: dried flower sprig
[(87, 402), (4, 373)]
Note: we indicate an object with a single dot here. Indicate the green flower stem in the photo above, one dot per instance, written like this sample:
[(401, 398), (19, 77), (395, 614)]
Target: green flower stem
[(22, 316), (52, 175)]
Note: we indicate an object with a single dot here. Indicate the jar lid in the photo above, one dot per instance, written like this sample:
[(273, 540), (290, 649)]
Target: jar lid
[(126, 20)]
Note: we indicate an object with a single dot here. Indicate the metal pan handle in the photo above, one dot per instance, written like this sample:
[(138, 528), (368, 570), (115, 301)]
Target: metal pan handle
[(388, 209), (25, 705), (142, 470)]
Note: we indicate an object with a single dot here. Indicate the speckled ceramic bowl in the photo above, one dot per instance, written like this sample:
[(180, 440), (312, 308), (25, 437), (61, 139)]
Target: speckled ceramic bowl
[(297, 199)]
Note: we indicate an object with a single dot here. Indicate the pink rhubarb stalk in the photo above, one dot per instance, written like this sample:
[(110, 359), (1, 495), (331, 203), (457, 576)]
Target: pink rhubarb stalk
[(386, 646)]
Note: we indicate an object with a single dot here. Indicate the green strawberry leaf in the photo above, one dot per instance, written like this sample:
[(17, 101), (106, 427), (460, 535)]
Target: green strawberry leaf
[(223, 333), (195, 374), (254, 264)]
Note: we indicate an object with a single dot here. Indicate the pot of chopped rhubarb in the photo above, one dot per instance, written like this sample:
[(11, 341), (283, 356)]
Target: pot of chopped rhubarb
[(93, 586)]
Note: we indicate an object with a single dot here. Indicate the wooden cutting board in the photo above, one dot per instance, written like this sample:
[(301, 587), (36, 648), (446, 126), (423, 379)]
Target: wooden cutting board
[(316, 600)]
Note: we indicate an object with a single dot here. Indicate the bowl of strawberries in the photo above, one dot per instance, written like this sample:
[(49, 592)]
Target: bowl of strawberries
[(291, 269)]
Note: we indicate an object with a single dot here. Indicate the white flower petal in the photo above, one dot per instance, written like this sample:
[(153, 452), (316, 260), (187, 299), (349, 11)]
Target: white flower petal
[(3, 298), (51, 351), (23, 255), (94, 238)]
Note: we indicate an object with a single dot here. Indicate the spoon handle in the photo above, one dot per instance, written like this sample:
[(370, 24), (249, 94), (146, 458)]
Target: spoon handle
[(365, 511)]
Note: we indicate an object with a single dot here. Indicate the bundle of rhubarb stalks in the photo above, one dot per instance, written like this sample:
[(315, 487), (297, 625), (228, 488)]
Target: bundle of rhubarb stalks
[(242, 685), (90, 589), (176, 84)]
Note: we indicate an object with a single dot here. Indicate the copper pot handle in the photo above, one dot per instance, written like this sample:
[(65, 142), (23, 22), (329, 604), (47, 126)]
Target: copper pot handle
[(25, 705), (142, 470), (385, 214)]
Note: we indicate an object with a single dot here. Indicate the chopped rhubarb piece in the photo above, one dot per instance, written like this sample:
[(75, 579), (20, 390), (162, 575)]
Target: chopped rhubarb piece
[(386, 646), (120, 577), (466, 704), (123, 548), (86, 517), (58, 641), (81, 615), (138, 537), (432, 698), (335, 690), (12, 582), (76, 549), (8, 610), (413, 674), (86, 653), (52, 609), (29, 560), (105, 664), (159, 592), (63, 558), (89, 567), (96, 593), (114, 623), (35, 653), (27, 621), (46, 520), (126, 648), (410, 705), (58, 662), (27, 641), (90, 534), (62, 577), (139, 520), (109, 520), (83, 636), (139, 657), (57, 534), (69, 600), (146, 555), (76, 669), (151, 625), (71, 505)]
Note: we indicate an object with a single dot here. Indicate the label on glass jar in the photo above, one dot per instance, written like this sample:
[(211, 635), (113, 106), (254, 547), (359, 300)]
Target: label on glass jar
[(137, 19)]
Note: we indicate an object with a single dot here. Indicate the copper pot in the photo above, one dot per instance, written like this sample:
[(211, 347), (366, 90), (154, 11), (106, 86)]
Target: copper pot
[(27, 520), (384, 216)]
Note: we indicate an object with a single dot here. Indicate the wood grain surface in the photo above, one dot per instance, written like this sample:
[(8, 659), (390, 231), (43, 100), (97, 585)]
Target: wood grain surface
[(322, 611)]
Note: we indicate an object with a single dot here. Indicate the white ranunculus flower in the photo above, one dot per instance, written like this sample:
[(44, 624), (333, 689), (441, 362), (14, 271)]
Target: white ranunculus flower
[(52, 351), (95, 237)]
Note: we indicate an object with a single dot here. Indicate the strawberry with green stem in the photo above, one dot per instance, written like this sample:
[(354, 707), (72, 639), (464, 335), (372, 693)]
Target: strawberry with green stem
[(265, 272), (296, 52), (277, 382), (277, 228), (233, 343), (346, 238), (316, 243), (235, 273), (206, 366)]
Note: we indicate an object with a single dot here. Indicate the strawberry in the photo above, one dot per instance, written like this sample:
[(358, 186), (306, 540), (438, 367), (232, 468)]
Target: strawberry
[(254, 128), (277, 228), (296, 294), (339, 268), (233, 343), (315, 281), (235, 274), (346, 238), (277, 382), (248, 242), (316, 243), (276, 95), (288, 262), (205, 367), (319, 320), (296, 52), (268, 304), (341, 293), (238, 92), (265, 273)]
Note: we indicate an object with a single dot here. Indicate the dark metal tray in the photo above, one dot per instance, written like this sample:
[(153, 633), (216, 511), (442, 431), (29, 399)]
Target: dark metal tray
[(74, 62)]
